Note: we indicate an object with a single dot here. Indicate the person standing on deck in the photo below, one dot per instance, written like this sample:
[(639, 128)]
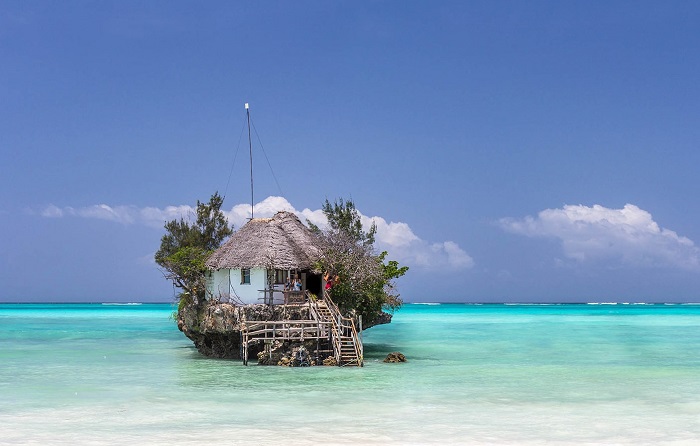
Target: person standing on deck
[(329, 281)]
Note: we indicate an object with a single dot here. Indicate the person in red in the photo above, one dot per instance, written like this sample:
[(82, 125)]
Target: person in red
[(328, 280)]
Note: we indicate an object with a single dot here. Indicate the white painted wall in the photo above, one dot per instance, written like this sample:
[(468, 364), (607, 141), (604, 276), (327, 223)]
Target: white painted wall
[(218, 284), (227, 282)]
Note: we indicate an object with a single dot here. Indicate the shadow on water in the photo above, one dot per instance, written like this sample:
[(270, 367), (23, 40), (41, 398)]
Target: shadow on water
[(379, 350)]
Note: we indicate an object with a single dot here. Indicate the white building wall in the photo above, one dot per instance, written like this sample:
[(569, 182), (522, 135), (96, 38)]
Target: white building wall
[(249, 293), (218, 285), (226, 284)]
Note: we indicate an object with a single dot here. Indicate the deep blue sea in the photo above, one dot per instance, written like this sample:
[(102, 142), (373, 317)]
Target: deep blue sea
[(100, 374)]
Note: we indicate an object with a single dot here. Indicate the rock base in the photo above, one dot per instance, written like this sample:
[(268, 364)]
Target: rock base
[(395, 357), (215, 330), (289, 354)]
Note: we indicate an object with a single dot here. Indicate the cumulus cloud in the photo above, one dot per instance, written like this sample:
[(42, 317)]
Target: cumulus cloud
[(403, 245), (627, 236), (240, 213), (396, 237), (432, 256)]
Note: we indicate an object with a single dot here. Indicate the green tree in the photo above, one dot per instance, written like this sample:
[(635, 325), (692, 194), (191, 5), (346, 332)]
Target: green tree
[(365, 282), (185, 247), (342, 216)]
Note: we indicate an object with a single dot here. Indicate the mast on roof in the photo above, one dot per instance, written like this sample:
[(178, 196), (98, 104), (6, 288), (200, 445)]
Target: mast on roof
[(250, 147)]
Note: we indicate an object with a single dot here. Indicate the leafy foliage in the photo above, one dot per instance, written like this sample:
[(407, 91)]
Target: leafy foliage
[(365, 283), (342, 216), (185, 247)]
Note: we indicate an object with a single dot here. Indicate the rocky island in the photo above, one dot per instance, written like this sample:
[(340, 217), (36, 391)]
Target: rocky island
[(216, 329), (277, 290)]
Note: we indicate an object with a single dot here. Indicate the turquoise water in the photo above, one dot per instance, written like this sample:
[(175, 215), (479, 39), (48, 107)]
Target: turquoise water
[(477, 374)]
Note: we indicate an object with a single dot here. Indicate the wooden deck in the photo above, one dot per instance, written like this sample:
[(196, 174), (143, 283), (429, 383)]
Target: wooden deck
[(326, 324)]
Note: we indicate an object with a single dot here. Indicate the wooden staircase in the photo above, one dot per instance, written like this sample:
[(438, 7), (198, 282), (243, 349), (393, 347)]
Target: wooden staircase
[(347, 346), (326, 323)]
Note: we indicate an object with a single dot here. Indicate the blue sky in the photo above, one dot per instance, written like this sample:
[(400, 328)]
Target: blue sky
[(509, 151)]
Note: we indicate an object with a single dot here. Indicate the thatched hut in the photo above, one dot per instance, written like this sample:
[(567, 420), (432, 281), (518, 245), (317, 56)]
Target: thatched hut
[(262, 255)]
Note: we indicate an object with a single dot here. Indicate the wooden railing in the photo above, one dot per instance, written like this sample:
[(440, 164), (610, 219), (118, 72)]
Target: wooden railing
[(325, 323), (288, 329), (344, 328)]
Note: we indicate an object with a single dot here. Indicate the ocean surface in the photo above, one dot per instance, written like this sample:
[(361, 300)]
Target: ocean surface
[(100, 374)]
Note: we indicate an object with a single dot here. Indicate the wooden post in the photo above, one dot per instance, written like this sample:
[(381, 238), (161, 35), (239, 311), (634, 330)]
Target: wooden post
[(362, 345), (245, 352)]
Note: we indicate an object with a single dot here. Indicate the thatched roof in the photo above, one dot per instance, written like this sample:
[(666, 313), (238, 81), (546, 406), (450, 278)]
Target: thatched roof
[(281, 242)]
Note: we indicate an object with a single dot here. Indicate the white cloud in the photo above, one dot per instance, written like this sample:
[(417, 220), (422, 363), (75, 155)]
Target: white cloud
[(126, 215), (404, 246), (396, 237), (430, 256), (316, 217), (52, 211), (156, 217), (391, 234), (627, 236), (240, 213), (119, 214)]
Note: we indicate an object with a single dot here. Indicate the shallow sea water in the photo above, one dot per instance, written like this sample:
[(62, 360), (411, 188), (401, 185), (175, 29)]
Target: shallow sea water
[(477, 374)]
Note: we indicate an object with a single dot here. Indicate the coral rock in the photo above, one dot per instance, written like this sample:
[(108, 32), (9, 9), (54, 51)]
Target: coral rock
[(330, 361), (395, 357)]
